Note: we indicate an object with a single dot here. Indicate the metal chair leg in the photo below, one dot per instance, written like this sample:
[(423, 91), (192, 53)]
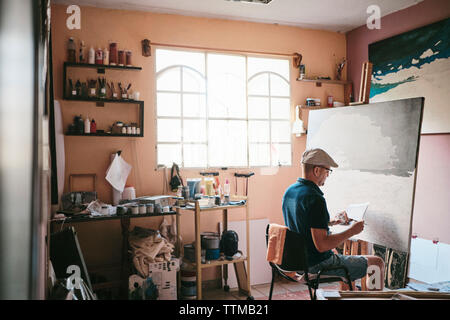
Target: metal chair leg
[(271, 284)]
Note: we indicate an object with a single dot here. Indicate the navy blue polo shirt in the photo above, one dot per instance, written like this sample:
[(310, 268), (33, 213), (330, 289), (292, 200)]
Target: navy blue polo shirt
[(304, 207)]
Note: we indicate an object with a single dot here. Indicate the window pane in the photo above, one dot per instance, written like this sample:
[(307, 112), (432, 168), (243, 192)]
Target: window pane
[(194, 155), (227, 143), (166, 58), (169, 130), (281, 154), (281, 131), (168, 104), (194, 105), (226, 86), (278, 86), (280, 66), (169, 80), (258, 131), (280, 108), (169, 153), (258, 108), (259, 155), (259, 85), (194, 130), (192, 81)]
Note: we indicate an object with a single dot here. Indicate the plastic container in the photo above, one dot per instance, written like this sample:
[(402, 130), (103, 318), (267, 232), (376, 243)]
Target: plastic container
[(99, 56), (128, 55), (212, 254), (142, 209), (87, 125), (105, 56), (91, 56), (150, 208), (113, 53), (121, 57), (135, 209), (226, 188), (93, 126), (71, 51)]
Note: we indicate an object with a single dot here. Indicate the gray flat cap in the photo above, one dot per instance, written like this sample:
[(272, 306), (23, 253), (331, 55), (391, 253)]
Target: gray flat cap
[(318, 157)]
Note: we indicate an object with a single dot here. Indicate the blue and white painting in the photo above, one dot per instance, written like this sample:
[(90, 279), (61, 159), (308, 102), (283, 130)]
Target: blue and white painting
[(415, 64)]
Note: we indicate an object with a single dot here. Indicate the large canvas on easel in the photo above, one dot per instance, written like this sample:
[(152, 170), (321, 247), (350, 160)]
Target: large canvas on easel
[(415, 63), (376, 147)]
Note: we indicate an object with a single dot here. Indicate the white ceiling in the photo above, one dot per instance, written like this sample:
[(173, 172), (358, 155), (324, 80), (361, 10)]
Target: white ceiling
[(332, 15)]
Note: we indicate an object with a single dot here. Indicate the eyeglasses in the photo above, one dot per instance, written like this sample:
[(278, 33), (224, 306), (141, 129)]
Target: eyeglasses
[(329, 170)]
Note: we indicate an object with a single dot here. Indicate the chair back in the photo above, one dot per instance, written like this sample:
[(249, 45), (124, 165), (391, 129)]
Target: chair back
[(294, 251)]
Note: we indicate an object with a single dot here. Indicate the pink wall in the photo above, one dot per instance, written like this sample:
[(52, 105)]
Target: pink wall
[(420, 15), (431, 217)]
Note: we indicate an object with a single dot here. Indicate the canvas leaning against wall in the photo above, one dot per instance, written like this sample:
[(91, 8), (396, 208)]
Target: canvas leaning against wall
[(415, 64), (376, 147)]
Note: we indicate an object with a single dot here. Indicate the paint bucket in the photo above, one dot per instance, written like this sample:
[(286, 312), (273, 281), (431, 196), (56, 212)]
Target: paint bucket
[(210, 242), (212, 254), (189, 286)]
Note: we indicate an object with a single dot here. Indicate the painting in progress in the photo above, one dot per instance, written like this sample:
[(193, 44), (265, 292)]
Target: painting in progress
[(415, 64), (376, 147)]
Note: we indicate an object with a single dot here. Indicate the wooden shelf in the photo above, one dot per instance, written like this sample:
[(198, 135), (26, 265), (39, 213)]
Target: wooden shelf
[(103, 100), (212, 263), (112, 217), (105, 135), (341, 82), (100, 66)]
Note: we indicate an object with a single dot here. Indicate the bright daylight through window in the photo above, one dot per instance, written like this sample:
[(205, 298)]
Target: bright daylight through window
[(222, 110)]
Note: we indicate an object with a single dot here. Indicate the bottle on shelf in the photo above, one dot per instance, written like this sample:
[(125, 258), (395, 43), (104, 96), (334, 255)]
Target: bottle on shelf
[(226, 192), (93, 126), (91, 56), (82, 58), (99, 56), (71, 51), (87, 125), (105, 56)]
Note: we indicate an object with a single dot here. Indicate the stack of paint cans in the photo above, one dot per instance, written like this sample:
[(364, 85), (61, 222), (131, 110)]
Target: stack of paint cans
[(188, 284)]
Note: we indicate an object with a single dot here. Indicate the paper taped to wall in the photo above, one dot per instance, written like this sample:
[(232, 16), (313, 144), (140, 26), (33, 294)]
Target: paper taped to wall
[(357, 211)]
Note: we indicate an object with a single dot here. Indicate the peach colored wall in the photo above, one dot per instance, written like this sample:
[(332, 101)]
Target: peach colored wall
[(128, 28)]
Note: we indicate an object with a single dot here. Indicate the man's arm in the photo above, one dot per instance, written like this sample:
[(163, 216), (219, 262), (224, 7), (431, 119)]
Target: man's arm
[(325, 242)]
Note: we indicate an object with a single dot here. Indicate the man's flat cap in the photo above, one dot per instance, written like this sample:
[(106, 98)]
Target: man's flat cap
[(318, 157)]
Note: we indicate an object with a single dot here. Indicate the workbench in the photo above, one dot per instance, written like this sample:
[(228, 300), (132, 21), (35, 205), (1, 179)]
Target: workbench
[(125, 224), (243, 278)]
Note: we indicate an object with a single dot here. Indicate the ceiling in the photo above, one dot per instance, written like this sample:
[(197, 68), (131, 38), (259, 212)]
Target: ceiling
[(332, 15)]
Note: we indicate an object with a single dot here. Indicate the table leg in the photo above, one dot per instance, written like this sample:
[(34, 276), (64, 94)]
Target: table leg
[(225, 266), (198, 257)]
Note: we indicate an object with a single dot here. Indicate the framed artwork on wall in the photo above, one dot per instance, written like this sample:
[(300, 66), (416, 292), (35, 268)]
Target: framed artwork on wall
[(415, 64)]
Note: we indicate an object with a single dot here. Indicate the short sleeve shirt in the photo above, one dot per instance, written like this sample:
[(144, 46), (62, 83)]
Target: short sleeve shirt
[(304, 207)]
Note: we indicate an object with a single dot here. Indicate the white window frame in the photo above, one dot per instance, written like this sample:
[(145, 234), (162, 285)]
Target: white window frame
[(206, 118)]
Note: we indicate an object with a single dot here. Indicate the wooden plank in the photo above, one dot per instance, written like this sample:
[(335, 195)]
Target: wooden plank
[(242, 279)]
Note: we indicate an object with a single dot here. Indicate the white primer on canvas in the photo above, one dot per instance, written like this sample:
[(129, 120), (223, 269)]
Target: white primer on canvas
[(376, 147)]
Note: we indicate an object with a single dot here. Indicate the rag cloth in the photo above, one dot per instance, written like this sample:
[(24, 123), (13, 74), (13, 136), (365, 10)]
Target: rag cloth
[(275, 245)]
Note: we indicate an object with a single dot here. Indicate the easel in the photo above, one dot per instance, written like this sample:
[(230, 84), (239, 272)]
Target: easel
[(357, 247), (364, 89)]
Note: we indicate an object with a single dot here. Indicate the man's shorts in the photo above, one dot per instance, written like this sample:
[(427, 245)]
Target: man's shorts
[(356, 265)]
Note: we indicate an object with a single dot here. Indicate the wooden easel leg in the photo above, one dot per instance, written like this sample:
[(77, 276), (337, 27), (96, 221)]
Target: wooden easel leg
[(363, 245), (354, 252), (346, 252)]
